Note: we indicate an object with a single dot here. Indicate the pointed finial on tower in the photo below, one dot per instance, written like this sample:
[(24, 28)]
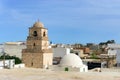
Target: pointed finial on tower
[(38, 24)]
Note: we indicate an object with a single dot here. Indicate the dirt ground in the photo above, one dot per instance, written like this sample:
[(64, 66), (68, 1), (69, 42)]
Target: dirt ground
[(40, 74)]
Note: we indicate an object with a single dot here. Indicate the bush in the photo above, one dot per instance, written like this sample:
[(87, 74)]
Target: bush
[(66, 69)]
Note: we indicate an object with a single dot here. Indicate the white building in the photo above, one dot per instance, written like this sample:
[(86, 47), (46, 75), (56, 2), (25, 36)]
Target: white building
[(118, 58), (14, 48), (60, 51), (1, 49), (8, 64), (71, 62), (114, 49)]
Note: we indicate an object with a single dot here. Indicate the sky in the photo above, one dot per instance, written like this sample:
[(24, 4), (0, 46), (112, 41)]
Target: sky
[(68, 21)]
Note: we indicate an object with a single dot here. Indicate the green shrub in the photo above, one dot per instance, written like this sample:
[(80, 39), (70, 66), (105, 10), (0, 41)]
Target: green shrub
[(66, 69)]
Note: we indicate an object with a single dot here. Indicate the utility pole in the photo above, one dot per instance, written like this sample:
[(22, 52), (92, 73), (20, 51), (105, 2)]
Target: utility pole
[(3, 57)]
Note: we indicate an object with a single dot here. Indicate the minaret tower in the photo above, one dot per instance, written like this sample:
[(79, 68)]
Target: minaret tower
[(37, 54)]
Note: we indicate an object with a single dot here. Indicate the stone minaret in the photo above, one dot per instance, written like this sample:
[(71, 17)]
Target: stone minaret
[(37, 54)]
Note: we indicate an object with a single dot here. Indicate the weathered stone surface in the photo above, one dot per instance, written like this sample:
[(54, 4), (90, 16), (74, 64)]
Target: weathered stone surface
[(37, 54)]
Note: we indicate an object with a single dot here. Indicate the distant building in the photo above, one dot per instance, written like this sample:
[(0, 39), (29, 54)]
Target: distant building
[(79, 52), (76, 46), (1, 49), (14, 48), (114, 49), (92, 46), (38, 54), (60, 51), (82, 51)]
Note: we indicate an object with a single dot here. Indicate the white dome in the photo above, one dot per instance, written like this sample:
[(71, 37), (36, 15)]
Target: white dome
[(71, 60)]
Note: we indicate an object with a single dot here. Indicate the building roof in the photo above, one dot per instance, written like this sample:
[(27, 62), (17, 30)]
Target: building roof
[(71, 60), (38, 24), (14, 43)]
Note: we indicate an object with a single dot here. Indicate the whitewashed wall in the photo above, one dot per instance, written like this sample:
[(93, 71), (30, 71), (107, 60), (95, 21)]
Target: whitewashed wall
[(14, 50), (60, 51), (19, 65), (112, 52), (114, 49), (118, 56), (8, 63), (62, 68)]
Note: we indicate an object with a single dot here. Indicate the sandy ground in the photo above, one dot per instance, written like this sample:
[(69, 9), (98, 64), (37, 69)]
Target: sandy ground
[(40, 74)]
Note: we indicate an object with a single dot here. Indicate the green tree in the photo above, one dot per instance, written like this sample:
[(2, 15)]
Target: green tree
[(17, 60)]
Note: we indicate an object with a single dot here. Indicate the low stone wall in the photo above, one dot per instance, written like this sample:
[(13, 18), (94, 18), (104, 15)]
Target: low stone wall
[(110, 69)]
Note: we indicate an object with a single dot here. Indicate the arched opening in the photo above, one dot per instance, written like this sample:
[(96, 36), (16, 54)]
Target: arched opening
[(44, 34), (35, 33)]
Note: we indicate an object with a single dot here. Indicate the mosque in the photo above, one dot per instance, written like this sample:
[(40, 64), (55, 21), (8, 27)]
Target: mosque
[(38, 54)]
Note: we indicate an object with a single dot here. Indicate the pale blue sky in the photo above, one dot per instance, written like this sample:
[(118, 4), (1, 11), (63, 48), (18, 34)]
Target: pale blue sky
[(68, 21)]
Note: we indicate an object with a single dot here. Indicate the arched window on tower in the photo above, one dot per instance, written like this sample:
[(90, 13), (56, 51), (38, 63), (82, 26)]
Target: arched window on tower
[(35, 33), (44, 34)]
